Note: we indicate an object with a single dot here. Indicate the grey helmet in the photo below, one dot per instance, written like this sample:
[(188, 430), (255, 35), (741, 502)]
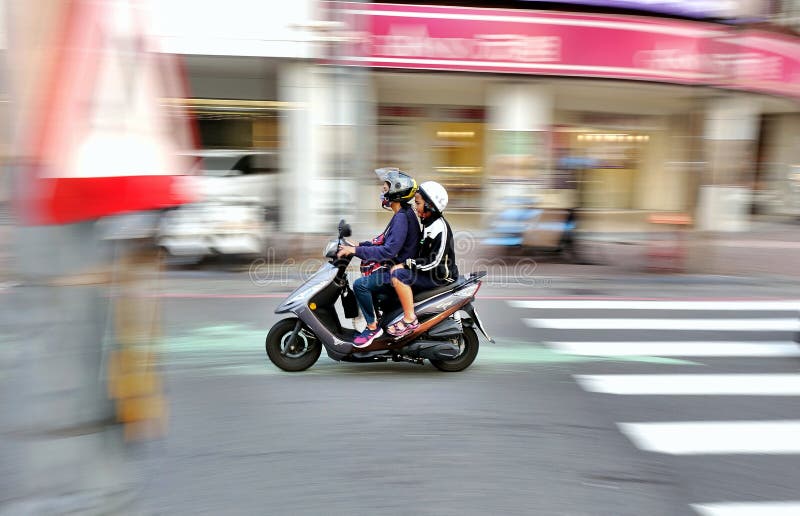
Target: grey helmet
[(402, 187)]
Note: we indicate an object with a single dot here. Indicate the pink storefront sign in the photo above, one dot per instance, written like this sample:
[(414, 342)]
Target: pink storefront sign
[(761, 61), (569, 44)]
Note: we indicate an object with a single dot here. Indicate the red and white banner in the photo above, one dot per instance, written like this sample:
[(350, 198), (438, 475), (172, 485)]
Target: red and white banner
[(571, 44), (95, 139)]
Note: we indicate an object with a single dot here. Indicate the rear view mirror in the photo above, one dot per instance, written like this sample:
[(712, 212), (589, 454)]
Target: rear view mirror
[(344, 229)]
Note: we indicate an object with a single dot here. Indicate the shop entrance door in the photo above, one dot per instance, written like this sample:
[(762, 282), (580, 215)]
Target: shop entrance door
[(611, 165), (457, 161)]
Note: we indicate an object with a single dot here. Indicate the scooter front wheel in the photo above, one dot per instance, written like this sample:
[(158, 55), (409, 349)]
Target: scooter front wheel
[(292, 355)]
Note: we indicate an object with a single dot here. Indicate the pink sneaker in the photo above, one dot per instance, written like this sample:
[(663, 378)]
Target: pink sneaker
[(365, 338)]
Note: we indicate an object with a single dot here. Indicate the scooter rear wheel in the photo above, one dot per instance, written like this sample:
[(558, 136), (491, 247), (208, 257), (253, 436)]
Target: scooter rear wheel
[(298, 356), (469, 351)]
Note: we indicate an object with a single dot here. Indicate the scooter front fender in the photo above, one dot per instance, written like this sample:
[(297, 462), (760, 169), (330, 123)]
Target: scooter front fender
[(298, 299)]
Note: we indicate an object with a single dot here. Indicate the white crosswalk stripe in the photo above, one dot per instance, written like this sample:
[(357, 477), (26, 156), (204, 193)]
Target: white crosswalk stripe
[(680, 349), (791, 305), (715, 437), (749, 509), (693, 384), (756, 324), (730, 320)]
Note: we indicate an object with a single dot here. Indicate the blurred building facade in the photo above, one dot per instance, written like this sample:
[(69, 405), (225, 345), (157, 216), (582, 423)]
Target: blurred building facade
[(618, 112)]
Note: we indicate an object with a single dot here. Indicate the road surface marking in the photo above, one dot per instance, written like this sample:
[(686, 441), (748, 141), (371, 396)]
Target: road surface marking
[(760, 305), (715, 437), (679, 349), (522, 352), (765, 324), (748, 509), (693, 384)]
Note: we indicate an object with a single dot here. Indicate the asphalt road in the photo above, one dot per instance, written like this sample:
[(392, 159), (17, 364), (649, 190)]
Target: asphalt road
[(530, 428)]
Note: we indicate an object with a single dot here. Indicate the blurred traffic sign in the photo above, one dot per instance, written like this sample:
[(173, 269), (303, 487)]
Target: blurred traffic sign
[(99, 140)]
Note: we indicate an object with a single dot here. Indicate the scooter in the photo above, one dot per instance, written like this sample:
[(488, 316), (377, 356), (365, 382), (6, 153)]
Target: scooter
[(446, 336), (547, 232)]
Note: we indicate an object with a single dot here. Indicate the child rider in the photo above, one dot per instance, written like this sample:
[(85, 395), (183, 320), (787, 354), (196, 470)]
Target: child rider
[(435, 264)]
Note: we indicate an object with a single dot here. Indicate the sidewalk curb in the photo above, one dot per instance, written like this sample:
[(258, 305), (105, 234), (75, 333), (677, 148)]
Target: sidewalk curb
[(692, 279), (280, 278), (674, 279)]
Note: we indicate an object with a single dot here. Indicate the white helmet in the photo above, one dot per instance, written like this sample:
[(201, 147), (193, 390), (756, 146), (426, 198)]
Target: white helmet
[(434, 194)]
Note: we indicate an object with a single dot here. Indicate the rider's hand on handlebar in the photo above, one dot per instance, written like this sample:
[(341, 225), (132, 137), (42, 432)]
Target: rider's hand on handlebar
[(345, 250)]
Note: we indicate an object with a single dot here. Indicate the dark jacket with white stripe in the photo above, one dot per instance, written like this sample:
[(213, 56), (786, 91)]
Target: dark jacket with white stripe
[(436, 257)]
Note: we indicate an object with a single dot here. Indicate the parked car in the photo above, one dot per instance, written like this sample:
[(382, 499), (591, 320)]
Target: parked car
[(236, 211)]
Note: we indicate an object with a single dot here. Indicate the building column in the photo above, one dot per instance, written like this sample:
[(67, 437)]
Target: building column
[(782, 163), (320, 146), (301, 168), (731, 131), (520, 117)]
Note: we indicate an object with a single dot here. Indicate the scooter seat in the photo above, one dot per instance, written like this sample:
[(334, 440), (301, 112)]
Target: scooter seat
[(393, 303), (427, 294)]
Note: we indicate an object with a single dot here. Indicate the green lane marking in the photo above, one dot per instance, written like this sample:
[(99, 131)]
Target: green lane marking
[(522, 352), (217, 338), (247, 369), (653, 360), (225, 346), (527, 353)]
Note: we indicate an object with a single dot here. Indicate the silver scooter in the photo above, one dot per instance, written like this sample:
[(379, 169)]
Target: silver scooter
[(446, 335)]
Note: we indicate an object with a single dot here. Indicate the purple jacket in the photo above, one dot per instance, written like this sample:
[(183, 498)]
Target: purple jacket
[(401, 239)]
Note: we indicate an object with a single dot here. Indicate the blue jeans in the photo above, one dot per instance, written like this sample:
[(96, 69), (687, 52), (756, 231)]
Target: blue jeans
[(365, 286)]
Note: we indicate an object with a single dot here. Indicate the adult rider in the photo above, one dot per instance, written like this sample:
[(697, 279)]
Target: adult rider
[(397, 243)]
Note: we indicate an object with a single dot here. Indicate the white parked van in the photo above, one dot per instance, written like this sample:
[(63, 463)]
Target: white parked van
[(237, 208)]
